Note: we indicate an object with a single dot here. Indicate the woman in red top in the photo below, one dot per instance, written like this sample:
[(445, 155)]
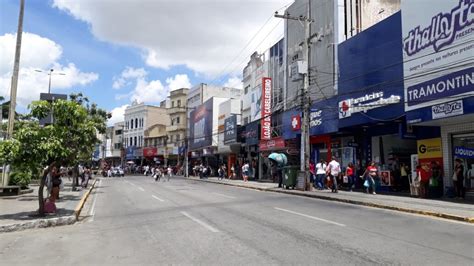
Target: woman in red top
[(350, 175), (370, 174), (424, 177)]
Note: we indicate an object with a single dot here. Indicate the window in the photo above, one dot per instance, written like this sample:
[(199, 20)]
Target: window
[(136, 122), (118, 132), (171, 138), (117, 146), (143, 122), (177, 120), (131, 124), (179, 103), (178, 137), (172, 104), (131, 141), (135, 141)]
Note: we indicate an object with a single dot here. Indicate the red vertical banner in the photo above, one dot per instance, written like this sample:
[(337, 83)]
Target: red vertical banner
[(266, 120)]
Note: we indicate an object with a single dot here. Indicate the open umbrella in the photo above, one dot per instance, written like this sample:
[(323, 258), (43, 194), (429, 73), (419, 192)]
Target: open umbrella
[(130, 162), (279, 158)]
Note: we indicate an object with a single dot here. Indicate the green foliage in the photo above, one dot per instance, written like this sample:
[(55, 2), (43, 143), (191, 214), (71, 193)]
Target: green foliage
[(21, 179)]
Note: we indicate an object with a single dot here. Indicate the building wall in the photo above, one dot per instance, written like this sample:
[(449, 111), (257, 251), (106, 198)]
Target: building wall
[(149, 115), (226, 109)]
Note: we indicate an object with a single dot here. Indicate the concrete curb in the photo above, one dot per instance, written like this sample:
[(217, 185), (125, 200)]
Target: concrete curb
[(355, 202), (43, 223), (80, 205)]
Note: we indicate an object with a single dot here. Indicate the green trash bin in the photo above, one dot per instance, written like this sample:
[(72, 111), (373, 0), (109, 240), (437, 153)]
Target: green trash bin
[(290, 174)]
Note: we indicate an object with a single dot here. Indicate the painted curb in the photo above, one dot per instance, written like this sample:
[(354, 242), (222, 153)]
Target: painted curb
[(80, 205), (354, 202)]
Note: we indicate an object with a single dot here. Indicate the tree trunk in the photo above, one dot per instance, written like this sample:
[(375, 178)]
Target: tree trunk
[(41, 188)]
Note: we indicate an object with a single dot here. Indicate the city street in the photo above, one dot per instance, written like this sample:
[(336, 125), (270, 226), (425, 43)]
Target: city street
[(135, 220)]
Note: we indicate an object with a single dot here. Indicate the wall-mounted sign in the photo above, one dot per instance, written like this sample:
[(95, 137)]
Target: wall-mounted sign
[(275, 143), (230, 129), (296, 122), (365, 103), (436, 39), (429, 148), (447, 109), (266, 109), (150, 151), (201, 126), (464, 152)]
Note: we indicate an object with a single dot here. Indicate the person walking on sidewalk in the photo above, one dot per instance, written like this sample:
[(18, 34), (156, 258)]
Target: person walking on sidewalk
[(169, 172), (370, 174), (458, 179), (350, 176), (334, 169), (245, 171), (320, 174)]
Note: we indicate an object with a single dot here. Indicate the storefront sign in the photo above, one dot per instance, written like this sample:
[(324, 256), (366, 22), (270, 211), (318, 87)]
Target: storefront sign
[(230, 129), (150, 152), (323, 118), (275, 143), (463, 152), (437, 39), (365, 103), (429, 148), (250, 133), (296, 122), (130, 152), (266, 133), (447, 109)]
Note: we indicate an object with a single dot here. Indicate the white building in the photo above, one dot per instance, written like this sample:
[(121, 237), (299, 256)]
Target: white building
[(252, 82)]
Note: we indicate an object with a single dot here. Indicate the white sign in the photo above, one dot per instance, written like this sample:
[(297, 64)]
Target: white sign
[(365, 103), (447, 109), (437, 44)]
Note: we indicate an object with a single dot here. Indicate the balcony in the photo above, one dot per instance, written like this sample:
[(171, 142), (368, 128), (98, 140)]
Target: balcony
[(174, 110)]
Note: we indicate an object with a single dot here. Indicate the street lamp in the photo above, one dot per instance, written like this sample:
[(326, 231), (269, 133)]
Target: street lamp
[(50, 73)]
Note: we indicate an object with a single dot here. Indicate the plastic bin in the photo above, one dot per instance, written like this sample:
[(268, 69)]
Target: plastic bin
[(290, 175)]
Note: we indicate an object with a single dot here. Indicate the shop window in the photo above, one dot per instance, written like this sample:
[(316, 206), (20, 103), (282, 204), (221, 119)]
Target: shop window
[(463, 149)]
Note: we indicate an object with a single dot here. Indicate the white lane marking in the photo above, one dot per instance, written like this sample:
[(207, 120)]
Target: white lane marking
[(155, 197), (140, 188), (309, 216), (208, 227), (92, 211), (222, 195)]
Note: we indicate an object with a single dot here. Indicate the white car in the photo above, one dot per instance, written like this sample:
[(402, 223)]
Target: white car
[(117, 171)]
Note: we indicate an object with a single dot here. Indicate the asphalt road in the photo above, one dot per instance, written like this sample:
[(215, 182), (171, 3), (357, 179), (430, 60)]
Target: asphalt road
[(134, 220)]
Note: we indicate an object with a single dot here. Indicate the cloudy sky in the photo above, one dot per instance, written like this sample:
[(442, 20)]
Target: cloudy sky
[(117, 51)]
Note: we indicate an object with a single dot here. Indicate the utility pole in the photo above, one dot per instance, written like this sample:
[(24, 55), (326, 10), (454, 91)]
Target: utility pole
[(305, 149), (14, 86), (16, 69)]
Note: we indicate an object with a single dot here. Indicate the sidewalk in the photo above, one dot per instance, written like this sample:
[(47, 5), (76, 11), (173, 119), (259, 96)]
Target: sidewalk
[(460, 211), (20, 212)]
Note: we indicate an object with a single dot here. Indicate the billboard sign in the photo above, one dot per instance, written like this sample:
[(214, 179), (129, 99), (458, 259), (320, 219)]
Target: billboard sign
[(436, 49), (266, 120), (201, 126), (230, 129)]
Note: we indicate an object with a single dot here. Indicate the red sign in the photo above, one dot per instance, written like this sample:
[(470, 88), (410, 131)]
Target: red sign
[(275, 143), (296, 122), (150, 152), (266, 124)]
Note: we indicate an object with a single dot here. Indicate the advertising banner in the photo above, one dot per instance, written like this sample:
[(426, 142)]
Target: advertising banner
[(201, 126), (437, 51), (323, 118), (429, 150), (266, 118), (150, 152), (230, 129), (275, 143)]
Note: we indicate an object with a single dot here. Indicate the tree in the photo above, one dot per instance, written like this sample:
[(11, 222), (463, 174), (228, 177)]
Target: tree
[(70, 139)]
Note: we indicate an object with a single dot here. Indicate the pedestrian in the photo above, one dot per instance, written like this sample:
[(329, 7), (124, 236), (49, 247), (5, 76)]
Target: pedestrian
[(350, 176), (56, 183), (334, 170), (458, 179), (370, 175), (224, 171), (169, 172), (320, 174), (404, 176), (220, 173), (312, 172), (245, 171), (87, 176), (232, 172)]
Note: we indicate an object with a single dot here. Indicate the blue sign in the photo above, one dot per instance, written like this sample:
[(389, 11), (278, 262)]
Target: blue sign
[(434, 112), (323, 117), (370, 85), (288, 125), (463, 152), (130, 153), (250, 133)]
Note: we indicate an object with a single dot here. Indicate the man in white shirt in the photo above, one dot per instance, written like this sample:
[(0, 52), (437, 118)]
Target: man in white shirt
[(334, 169)]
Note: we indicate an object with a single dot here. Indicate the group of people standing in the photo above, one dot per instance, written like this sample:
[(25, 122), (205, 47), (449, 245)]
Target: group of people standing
[(329, 175)]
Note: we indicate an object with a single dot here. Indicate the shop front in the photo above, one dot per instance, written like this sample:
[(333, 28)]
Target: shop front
[(372, 124), (444, 98), (249, 137), (231, 143)]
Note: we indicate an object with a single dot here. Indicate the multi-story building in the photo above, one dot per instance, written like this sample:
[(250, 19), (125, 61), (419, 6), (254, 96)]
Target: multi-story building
[(139, 117), (177, 128), (252, 83), (155, 143)]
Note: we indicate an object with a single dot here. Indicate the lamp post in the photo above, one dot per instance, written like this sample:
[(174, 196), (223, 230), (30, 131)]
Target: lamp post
[(49, 73)]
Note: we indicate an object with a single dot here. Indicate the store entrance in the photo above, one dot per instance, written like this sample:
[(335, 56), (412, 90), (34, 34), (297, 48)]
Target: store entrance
[(463, 148)]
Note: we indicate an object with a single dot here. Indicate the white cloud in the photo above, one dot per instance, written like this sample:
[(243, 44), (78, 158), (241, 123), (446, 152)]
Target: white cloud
[(177, 82), (203, 35), (37, 53), (117, 115), (153, 91), (234, 82), (127, 74)]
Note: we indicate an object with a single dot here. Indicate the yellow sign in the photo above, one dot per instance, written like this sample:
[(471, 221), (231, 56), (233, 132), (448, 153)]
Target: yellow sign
[(429, 148)]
